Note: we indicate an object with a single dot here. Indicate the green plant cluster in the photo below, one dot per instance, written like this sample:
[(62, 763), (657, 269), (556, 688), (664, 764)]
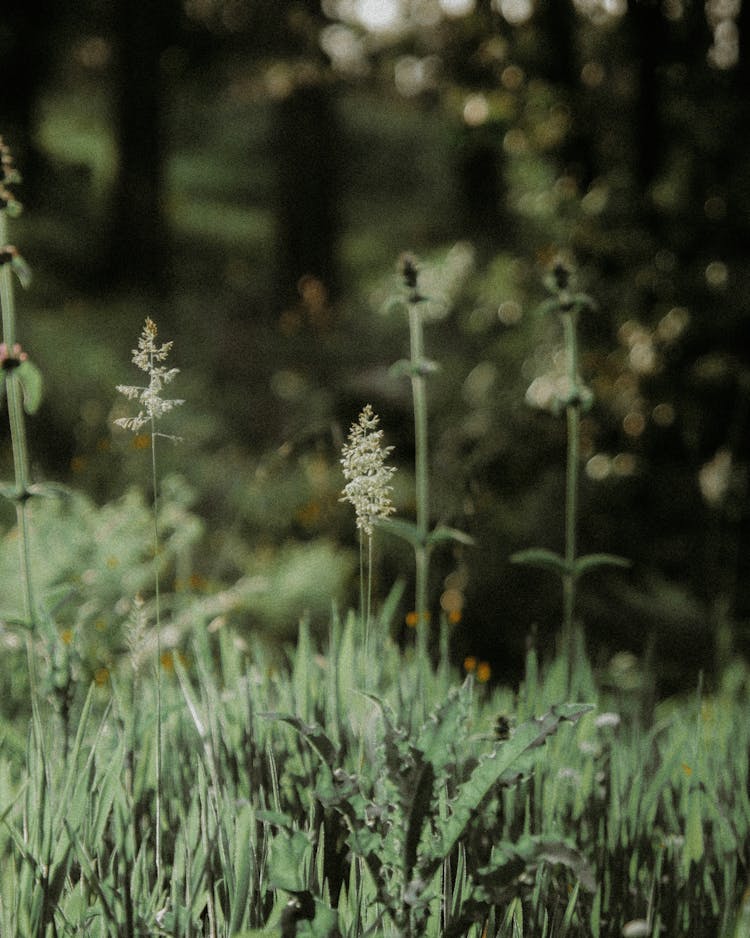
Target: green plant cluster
[(183, 779), (292, 805)]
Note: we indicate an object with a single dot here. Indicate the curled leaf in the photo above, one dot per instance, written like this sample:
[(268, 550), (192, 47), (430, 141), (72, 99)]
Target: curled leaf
[(31, 384)]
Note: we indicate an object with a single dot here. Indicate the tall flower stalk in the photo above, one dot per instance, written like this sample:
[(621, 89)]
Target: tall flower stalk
[(570, 567), (419, 534), (369, 490), (20, 381), (150, 358), (418, 373)]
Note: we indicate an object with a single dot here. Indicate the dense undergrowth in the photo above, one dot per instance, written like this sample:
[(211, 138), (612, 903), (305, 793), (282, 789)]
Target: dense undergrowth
[(308, 795), (165, 772)]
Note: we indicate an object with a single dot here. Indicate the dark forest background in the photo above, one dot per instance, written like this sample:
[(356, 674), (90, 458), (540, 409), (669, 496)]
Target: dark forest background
[(247, 173)]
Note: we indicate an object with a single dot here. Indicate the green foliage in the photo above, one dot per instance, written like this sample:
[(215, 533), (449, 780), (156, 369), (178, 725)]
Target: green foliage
[(360, 817)]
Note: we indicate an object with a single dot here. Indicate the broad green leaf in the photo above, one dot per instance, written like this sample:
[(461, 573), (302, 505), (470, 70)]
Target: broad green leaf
[(542, 558), (325, 923), (288, 857), (443, 533), (592, 561), (30, 378), (406, 530)]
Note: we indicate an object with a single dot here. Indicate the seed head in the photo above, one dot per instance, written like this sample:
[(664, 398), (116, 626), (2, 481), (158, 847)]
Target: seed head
[(146, 357), (367, 477)]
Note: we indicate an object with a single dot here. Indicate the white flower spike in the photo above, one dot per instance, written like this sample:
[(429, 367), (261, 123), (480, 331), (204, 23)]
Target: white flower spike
[(153, 405), (368, 478)]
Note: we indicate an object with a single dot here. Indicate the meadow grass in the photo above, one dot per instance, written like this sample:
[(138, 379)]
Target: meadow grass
[(210, 786)]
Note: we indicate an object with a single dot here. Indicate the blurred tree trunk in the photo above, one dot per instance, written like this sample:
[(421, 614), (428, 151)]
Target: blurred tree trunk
[(483, 217), (648, 45), (307, 142), (25, 52), (559, 60), (138, 253)]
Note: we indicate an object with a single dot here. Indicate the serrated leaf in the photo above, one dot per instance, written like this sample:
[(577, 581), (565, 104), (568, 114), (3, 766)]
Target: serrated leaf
[(444, 726), (542, 558), (592, 561), (313, 734), (443, 533), (30, 378), (488, 772)]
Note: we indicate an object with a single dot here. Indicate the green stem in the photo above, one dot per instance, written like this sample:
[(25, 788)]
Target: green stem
[(573, 415), (158, 651), (368, 601), (17, 431), (419, 394), (421, 549), (362, 575)]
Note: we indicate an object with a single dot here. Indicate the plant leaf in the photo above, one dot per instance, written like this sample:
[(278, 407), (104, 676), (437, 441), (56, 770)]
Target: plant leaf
[(592, 561), (287, 858), (489, 771), (443, 533), (406, 530), (31, 384), (542, 558)]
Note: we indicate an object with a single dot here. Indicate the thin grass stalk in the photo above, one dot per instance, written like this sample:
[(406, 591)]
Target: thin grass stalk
[(157, 600), (368, 612)]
